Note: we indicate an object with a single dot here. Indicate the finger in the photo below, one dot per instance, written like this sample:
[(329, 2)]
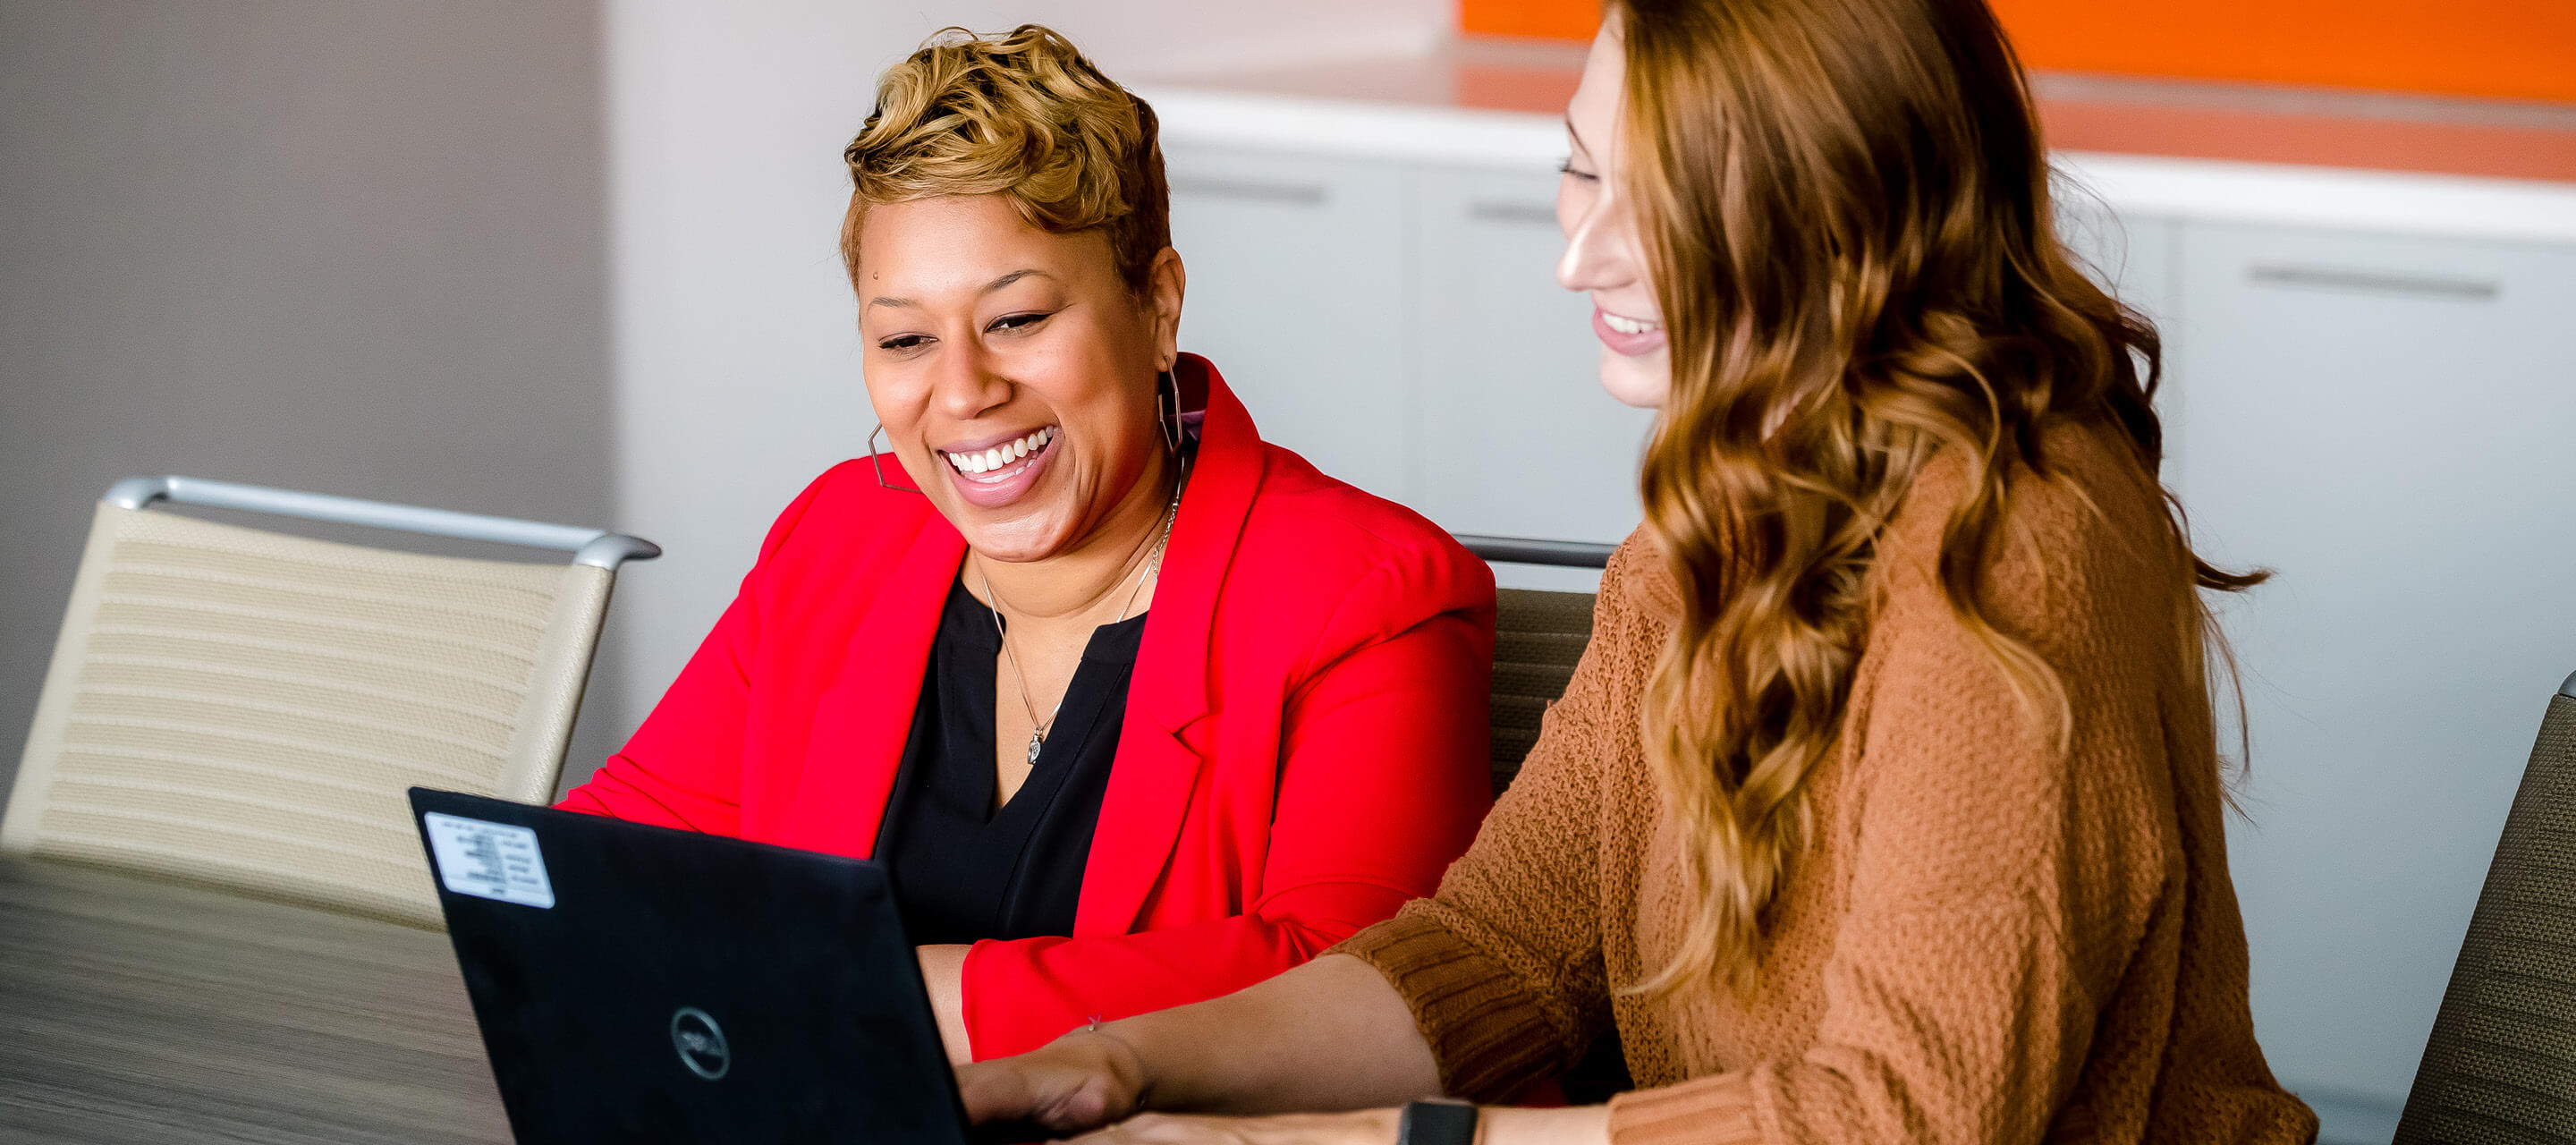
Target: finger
[(1105, 1135), (1084, 1105), (995, 1092)]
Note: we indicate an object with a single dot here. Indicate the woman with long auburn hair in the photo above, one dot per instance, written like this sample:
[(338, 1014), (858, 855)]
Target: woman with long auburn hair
[(1886, 804)]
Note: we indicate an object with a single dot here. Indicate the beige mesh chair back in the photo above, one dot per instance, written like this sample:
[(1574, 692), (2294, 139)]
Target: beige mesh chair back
[(245, 709), (2501, 1064)]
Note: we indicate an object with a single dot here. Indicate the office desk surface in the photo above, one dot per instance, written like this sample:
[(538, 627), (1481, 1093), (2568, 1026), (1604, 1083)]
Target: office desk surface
[(140, 1012)]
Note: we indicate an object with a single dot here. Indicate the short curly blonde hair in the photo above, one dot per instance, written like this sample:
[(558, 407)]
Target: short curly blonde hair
[(1022, 115)]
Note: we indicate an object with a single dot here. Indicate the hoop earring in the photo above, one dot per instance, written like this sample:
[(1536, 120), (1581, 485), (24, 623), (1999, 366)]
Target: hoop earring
[(879, 466), (1168, 417)]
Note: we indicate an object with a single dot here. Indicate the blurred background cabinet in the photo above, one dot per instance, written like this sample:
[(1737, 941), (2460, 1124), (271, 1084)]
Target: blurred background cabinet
[(1519, 438), (1398, 325), (2390, 423), (1297, 291)]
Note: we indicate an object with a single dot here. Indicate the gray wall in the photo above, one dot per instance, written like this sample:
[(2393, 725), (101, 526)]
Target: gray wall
[(356, 248)]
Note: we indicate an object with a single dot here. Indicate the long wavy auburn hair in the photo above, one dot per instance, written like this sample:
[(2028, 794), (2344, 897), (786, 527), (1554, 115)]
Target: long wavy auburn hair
[(1845, 211)]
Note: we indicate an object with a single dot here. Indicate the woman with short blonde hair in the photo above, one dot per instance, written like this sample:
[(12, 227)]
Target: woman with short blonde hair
[(1135, 707), (1886, 803)]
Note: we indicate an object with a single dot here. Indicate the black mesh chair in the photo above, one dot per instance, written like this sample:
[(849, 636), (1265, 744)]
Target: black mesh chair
[(1538, 637), (2501, 1064)]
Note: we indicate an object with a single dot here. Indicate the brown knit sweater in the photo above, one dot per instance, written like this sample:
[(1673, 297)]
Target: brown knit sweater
[(1985, 939)]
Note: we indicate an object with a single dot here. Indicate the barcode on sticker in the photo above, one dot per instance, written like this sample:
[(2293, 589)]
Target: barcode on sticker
[(489, 860)]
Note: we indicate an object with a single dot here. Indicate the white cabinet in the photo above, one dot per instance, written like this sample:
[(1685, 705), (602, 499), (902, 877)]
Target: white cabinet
[(1518, 437), (1401, 327), (1298, 291), (2390, 424)]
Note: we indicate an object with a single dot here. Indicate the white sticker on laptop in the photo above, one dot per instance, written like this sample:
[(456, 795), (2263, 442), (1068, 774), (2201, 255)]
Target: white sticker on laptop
[(489, 860)]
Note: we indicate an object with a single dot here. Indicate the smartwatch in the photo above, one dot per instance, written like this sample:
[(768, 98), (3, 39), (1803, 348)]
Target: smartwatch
[(1437, 1123)]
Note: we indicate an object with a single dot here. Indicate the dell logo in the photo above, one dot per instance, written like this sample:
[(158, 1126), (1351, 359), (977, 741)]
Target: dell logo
[(701, 1043)]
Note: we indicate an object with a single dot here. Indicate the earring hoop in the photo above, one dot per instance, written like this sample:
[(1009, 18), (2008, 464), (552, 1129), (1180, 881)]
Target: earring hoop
[(879, 466), (1168, 417)]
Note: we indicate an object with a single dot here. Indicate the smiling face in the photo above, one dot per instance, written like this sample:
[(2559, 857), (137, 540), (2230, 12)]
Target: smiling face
[(1602, 255), (1013, 369)]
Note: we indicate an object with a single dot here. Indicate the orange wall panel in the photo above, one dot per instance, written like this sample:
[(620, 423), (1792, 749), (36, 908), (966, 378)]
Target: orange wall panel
[(2521, 49), (1557, 19)]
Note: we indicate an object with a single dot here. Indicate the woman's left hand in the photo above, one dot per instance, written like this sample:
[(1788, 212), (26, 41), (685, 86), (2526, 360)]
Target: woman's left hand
[(1497, 1125), (1366, 1127)]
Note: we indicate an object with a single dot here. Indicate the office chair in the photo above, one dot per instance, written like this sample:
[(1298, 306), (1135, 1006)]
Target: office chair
[(245, 709), (1538, 638), (2501, 1064)]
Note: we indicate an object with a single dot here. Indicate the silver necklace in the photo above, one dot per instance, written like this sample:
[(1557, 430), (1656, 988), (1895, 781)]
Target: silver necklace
[(1153, 564)]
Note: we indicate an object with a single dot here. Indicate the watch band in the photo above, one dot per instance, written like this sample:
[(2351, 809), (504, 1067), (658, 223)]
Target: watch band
[(1437, 1123)]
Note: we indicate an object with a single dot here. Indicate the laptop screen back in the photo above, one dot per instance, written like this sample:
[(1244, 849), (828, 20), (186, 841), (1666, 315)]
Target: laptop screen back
[(635, 983)]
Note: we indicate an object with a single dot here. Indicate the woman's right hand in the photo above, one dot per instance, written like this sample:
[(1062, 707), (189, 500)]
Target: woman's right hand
[(1081, 1081)]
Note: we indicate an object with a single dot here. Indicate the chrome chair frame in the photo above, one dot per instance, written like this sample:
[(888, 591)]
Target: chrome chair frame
[(597, 548)]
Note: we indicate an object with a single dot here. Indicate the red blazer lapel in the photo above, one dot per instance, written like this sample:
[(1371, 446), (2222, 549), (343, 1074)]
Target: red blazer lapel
[(1156, 769), (865, 717)]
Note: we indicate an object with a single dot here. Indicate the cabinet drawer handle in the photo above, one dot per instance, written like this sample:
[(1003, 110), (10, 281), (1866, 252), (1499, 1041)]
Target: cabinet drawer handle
[(2377, 282), (1303, 194), (1523, 213)]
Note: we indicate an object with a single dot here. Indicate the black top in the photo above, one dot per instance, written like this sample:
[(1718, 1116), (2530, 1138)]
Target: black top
[(961, 870)]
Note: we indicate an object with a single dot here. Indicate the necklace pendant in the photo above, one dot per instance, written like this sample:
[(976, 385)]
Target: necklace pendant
[(1036, 740)]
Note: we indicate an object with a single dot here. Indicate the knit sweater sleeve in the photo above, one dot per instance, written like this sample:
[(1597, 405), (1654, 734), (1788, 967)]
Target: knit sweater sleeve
[(2000, 885), (1503, 966)]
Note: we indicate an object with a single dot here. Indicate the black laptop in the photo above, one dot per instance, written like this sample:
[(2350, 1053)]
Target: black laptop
[(641, 984)]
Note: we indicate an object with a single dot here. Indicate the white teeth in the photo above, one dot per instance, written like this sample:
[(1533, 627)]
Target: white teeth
[(1626, 325), (1001, 455)]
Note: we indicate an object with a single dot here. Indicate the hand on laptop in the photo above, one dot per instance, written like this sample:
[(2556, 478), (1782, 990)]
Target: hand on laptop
[(1366, 1127), (1083, 1080), (1091, 1082)]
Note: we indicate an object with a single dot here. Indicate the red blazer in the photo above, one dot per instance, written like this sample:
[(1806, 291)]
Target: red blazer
[(1304, 746)]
